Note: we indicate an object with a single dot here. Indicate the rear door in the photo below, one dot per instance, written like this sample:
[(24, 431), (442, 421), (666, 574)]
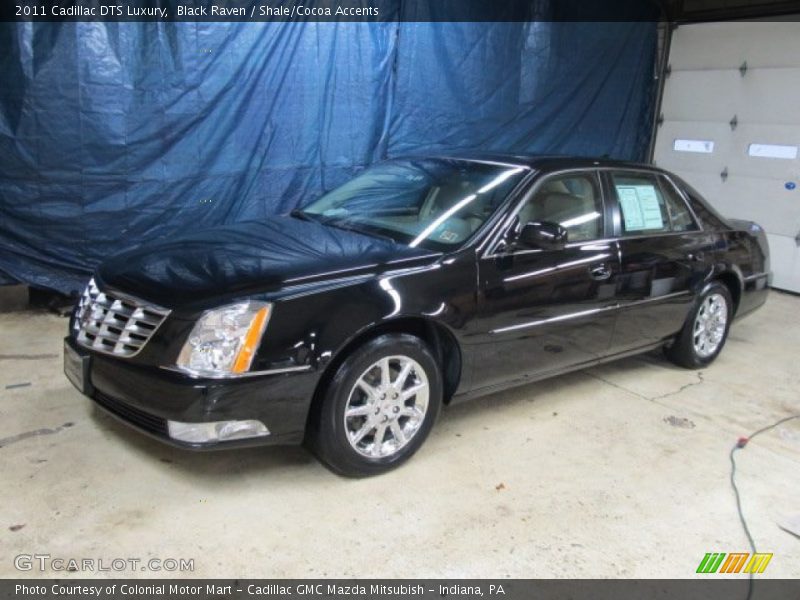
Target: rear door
[(544, 310), (664, 255)]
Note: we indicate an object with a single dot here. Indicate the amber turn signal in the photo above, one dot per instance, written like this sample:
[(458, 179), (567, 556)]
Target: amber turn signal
[(251, 341)]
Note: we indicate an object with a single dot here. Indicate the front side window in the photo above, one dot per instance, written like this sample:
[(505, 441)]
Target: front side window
[(572, 201), (645, 208), (436, 204)]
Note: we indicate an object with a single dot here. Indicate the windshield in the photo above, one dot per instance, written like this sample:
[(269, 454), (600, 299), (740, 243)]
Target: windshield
[(436, 204)]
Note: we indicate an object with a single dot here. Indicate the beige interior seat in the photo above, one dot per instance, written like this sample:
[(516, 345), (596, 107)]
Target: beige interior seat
[(555, 203), (556, 186)]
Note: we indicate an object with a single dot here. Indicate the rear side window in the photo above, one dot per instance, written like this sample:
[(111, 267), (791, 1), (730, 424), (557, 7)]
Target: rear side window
[(646, 208)]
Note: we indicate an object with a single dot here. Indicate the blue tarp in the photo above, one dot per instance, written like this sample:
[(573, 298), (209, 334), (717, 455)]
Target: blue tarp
[(114, 134)]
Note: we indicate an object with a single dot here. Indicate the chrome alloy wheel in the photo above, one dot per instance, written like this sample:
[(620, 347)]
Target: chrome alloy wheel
[(709, 325), (386, 406)]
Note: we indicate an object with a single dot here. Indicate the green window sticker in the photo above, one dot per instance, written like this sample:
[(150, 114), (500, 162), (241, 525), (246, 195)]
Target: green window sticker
[(641, 209)]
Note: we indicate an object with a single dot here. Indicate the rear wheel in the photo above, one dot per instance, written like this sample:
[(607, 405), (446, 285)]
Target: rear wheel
[(706, 329), (379, 407)]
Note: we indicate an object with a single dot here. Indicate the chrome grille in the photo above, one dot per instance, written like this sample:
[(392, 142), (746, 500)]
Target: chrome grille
[(113, 323)]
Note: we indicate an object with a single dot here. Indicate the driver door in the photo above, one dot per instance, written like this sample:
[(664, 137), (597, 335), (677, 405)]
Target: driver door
[(544, 310)]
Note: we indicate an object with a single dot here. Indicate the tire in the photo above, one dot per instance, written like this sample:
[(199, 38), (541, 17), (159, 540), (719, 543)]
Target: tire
[(704, 333), (400, 412)]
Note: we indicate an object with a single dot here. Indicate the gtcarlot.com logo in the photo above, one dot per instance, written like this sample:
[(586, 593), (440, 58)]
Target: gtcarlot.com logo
[(47, 562)]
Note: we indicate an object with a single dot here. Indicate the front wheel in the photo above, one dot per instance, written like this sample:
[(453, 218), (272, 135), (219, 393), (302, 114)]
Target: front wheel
[(379, 407), (706, 329)]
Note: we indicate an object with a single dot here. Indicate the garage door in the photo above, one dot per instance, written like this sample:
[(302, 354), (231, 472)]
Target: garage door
[(731, 128)]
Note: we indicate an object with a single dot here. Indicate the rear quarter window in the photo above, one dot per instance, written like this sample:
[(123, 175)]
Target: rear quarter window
[(679, 214), (708, 218)]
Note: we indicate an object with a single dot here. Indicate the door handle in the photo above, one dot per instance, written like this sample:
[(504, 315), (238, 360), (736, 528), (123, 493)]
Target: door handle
[(600, 272), (695, 256)]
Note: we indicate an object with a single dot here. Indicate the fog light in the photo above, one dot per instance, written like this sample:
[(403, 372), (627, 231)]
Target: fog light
[(216, 431)]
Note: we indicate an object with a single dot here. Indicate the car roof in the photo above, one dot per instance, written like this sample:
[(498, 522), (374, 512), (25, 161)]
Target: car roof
[(545, 162)]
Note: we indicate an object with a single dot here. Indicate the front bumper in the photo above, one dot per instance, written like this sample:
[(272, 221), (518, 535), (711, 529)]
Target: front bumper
[(147, 398)]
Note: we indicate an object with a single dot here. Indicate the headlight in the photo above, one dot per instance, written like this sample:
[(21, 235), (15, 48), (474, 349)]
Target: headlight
[(224, 341)]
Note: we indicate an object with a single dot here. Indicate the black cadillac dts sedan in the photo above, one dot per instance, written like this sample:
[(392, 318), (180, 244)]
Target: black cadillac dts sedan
[(347, 324)]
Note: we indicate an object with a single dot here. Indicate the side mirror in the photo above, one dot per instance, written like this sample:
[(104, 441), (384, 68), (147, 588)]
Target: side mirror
[(543, 234)]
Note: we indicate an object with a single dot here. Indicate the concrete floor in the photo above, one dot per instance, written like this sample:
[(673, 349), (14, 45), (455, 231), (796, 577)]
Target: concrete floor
[(618, 471)]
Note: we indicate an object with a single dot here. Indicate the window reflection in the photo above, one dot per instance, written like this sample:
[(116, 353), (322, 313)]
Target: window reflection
[(431, 203)]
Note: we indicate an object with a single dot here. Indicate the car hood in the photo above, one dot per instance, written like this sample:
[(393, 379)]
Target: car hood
[(251, 257)]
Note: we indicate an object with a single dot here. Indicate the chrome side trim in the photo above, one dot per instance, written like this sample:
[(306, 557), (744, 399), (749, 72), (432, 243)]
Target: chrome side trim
[(195, 375), (656, 298), (757, 276), (586, 313), (575, 315)]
